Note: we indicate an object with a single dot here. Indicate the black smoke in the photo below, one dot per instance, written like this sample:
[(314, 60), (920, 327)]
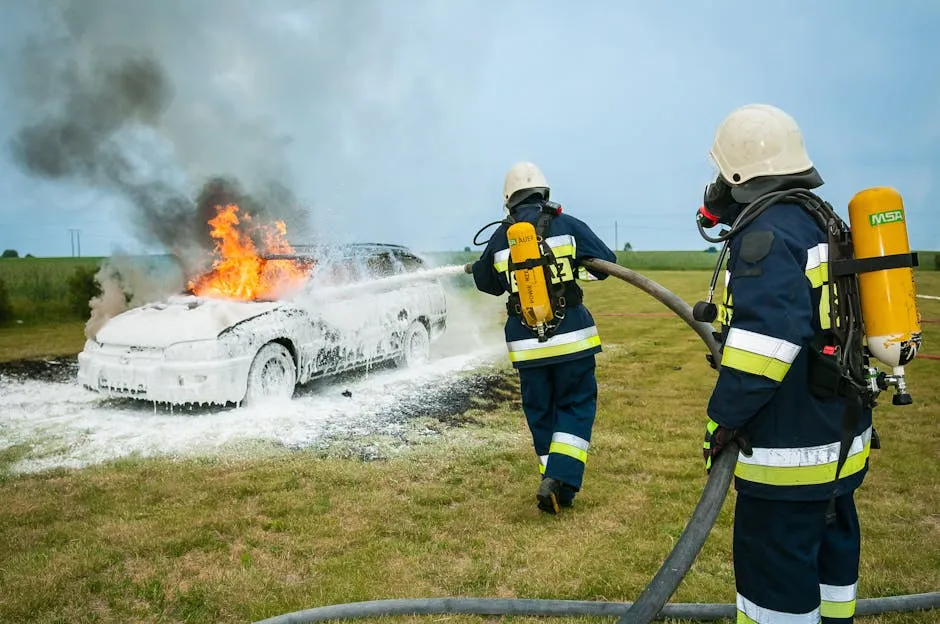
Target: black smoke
[(98, 110)]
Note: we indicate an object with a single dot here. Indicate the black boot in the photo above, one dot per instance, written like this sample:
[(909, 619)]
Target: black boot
[(548, 495), (566, 495)]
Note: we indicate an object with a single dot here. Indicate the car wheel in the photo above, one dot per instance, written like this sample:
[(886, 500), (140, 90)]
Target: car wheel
[(415, 345), (272, 374)]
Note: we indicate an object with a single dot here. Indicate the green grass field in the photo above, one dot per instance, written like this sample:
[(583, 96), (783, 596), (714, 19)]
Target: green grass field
[(38, 290), (233, 540)]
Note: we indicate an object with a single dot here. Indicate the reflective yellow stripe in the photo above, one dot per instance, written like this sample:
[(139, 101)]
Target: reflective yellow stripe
[(725, 309), (817, 264), (818, 275), (563, 251), (563, 245), (832, 609), (817, 272), (556, 350), (838, 601), (753, 363), (543, 463), (801, 475), (568, 449), (586, 276), (824, 321), (724, 314)]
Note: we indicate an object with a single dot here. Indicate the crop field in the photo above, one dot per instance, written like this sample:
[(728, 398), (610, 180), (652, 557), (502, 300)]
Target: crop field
[(441, 506), (43, 291)]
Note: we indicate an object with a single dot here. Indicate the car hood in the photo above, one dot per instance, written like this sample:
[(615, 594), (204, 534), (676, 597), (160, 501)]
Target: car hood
[(179, 319)]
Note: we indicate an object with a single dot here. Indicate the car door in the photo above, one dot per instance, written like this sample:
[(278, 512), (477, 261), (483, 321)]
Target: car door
[(334, 316)]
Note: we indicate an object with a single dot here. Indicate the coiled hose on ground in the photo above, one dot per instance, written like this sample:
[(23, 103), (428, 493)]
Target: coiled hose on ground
[(651, 604)]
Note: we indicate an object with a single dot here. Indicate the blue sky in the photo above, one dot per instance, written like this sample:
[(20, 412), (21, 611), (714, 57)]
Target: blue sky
[(396, 120)]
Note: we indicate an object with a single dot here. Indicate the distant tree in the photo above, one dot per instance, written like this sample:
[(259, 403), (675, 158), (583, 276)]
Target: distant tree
[(466, 249), (936, 261), (29, 256), (6, 310), (82, 287), (628, 247), (712, 249), (10, 253)]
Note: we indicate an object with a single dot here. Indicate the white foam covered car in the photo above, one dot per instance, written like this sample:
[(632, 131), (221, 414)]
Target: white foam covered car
[(189, 349)]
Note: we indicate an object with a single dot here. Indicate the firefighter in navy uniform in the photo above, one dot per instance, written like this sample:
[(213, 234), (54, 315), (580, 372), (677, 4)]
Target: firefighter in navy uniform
[(796, 532), (557, 374)]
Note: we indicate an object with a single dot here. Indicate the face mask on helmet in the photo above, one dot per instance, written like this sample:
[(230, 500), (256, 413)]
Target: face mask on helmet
[(716, 204)]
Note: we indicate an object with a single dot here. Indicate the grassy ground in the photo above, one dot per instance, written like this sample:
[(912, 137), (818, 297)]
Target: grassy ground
[(215, 540), (40, 340), (39, 289)]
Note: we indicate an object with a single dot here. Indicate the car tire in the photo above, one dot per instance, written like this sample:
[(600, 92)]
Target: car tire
[(415, 346), (272, 374)]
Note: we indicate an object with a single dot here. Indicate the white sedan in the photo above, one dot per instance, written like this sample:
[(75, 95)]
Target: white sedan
[(199, 350)]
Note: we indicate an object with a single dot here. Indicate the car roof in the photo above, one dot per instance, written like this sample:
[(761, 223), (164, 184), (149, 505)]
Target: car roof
[(345, 250)]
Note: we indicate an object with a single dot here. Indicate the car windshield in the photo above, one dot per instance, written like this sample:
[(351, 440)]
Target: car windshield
[(354, 263)]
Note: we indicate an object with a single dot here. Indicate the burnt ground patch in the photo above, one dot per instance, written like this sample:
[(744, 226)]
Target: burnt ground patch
[(55, 370), (452, 402)]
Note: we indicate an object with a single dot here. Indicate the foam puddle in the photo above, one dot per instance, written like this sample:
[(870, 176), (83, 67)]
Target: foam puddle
[(64, 425)]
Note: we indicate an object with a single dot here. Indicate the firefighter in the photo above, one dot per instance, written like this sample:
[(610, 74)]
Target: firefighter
[(556, 373), (796, 531)]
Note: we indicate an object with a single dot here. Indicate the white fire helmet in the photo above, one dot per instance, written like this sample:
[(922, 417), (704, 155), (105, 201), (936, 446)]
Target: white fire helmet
[(524, 175), (758, 140)]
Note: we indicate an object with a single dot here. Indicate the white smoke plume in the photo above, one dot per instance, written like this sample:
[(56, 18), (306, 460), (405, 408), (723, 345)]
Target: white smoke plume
[(127, 282)]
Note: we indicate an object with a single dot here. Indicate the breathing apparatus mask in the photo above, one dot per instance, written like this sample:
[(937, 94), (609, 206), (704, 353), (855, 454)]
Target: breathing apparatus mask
[(716, 204), (738, 206)]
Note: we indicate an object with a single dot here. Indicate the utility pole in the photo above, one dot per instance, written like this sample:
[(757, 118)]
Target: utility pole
[(616, 239), (75, 239)]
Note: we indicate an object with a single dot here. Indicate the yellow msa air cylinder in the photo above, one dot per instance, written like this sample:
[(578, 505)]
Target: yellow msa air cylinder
[(888, 296), (533, 290)]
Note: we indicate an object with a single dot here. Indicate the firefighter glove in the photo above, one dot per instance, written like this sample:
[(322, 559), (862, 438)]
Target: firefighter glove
[(468, 268), (717, 437)]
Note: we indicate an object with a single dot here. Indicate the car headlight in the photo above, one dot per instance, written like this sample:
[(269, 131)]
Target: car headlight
[(194, 350)]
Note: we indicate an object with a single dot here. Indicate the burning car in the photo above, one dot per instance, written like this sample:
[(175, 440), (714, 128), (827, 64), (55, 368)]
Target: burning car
[(262, 323)]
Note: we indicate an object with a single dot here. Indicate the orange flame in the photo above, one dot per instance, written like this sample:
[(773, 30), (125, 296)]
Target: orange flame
[(239, 271)]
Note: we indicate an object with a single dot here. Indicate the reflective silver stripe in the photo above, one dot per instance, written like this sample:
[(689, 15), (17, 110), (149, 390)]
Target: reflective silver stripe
[(817, 265), (727, 278), (817, 256), (529, 344), (805, 456), (838, 593), (561, 240), (571, 440), (760, 344), (762, 615)]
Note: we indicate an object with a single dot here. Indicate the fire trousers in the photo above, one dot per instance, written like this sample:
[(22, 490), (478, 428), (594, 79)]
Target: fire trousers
[(560, 403), (792, 567)]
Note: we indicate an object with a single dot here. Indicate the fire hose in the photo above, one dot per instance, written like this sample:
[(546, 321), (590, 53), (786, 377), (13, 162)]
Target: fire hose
[(651, 604)]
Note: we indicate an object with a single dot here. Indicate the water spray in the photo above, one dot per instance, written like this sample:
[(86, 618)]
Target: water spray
[(651, 604), (380, 283)]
